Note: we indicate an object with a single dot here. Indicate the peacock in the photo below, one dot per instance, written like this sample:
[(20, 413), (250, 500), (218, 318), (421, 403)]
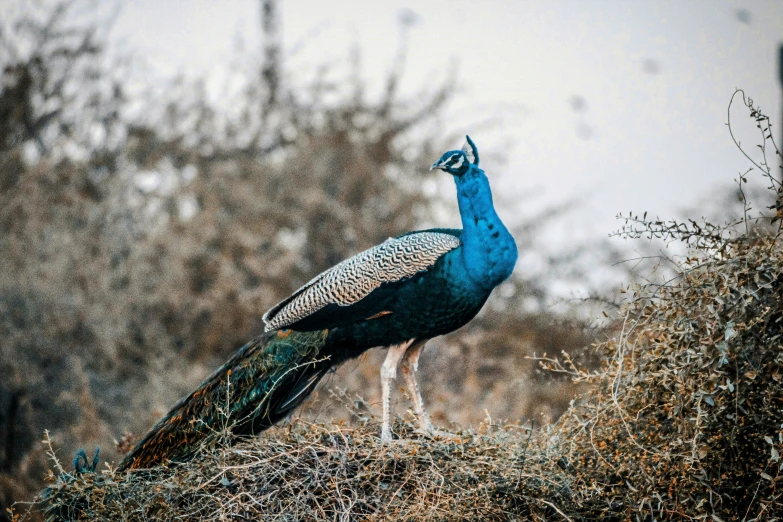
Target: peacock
[(396, 295)]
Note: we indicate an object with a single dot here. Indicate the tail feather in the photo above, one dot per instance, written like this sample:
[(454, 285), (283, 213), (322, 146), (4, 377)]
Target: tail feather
[(261, 384), (298, 393)]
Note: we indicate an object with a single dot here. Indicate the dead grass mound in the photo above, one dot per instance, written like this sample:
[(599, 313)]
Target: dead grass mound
[(313, 472)]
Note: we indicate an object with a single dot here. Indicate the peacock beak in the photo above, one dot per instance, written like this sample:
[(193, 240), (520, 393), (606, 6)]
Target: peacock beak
[(437, 165)]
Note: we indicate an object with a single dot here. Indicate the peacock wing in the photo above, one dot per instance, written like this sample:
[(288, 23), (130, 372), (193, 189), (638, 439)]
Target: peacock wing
[(349, 282)]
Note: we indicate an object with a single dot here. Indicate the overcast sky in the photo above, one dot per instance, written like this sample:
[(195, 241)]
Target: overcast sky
[(622, 103)]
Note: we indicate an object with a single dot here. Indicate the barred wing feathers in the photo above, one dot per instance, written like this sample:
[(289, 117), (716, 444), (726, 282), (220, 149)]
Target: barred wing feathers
[(352, 280)]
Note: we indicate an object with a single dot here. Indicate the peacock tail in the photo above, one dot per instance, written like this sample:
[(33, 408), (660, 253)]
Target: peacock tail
[(260, 384)]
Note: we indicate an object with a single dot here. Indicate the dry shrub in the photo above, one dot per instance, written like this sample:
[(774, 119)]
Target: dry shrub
[(686, 418), (685, 421)]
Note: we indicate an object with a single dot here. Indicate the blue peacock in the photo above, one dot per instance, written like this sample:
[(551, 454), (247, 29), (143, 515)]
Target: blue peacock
[(397, 295)]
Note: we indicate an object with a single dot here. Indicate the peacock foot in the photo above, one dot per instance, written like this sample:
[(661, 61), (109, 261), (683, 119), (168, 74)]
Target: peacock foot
[(386, 437)]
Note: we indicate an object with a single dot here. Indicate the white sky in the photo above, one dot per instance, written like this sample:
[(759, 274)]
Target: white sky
[(658, 142)]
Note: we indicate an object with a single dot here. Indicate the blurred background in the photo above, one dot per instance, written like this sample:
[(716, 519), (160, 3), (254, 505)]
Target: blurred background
[(168, 171)]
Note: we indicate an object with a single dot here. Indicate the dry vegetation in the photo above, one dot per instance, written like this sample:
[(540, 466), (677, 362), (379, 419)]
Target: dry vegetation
[(122, 289), (144, 233), (316, 472), (684, 421)]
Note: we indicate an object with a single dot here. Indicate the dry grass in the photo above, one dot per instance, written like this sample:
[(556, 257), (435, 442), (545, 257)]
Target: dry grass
[(314, 472)]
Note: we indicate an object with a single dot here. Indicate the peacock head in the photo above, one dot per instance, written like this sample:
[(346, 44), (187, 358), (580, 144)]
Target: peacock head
[(457, 162)]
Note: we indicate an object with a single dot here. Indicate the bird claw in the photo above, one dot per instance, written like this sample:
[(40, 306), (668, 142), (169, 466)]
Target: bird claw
[(386, 439)]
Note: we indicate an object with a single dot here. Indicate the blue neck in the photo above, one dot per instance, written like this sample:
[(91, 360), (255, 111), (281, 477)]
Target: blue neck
[(488, 250)]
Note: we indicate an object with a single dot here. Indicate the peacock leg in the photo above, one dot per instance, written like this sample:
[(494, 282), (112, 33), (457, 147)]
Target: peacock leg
[(409, 366), (388, 374)]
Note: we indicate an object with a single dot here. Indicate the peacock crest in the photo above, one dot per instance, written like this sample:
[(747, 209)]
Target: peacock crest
[(457, 162)]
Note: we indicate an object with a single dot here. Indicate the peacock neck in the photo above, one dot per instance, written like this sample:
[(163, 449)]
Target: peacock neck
[(489, 251)]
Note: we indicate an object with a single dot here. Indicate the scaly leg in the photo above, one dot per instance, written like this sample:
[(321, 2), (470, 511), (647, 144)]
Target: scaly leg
[(388, 374), (409, 366)]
